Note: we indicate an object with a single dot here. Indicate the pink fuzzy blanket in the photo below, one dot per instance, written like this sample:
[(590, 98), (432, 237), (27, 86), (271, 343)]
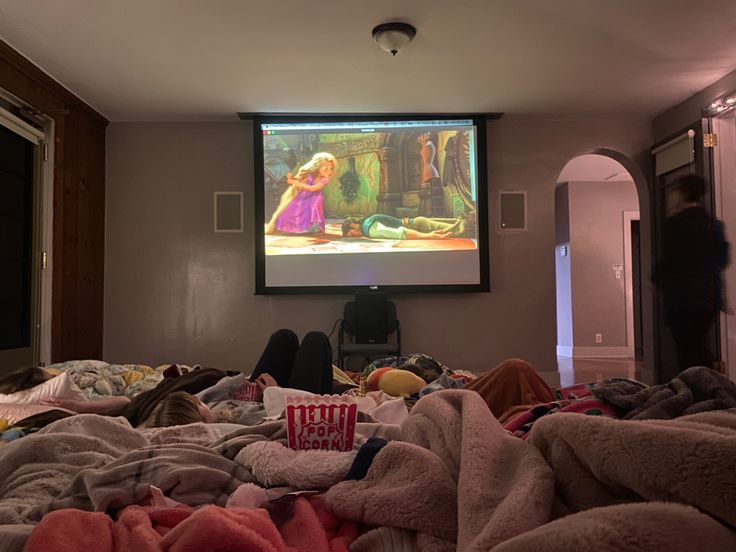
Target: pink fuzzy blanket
[(310, 527)]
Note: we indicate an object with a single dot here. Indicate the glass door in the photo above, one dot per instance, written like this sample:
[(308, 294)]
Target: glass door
[(18, 297)]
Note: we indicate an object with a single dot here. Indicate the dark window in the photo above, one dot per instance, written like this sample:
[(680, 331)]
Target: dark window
[(16, 239)]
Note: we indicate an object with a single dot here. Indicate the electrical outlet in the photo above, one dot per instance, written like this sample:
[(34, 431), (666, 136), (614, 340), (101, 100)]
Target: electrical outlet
[(599, 338)]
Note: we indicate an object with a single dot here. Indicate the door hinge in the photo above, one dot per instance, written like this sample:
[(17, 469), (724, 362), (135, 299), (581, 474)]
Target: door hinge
[(710, 140), (45, 152), (44, 260)]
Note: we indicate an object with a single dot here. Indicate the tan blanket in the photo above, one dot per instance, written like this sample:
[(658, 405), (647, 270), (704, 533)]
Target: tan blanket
[(458, 477), (651, 526), (600, 461), (460, 483)]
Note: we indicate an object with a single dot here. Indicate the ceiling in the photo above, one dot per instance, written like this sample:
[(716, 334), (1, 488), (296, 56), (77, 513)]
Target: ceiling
[(183, 60)]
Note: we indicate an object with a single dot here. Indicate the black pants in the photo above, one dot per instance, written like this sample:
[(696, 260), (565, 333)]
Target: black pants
[(690, 331), (307, 366)]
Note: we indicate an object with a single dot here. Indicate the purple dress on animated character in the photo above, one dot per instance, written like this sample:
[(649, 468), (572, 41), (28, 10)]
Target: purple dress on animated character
[(301, 209), (306, 212)]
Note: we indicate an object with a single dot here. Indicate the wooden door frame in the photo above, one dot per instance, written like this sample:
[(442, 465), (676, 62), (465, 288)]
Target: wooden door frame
[(628, 216), (78, 160)]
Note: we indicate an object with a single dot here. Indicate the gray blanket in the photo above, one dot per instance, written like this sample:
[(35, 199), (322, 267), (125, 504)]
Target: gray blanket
[(697, 389), (98, 463), (94, 463)]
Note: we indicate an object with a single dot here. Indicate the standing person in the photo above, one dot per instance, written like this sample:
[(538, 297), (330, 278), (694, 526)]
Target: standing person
[(694, 253), (427, 152), (432, 198), (301, 209)]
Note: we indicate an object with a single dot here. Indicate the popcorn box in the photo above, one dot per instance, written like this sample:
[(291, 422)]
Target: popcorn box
[(249, 392), (325, 422)]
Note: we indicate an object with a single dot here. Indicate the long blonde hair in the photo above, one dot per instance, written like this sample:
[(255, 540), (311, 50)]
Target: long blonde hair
[(318, 160), (177, 408)]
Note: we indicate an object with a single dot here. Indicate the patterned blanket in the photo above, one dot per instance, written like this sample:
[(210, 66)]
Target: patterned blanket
[(98, 379)]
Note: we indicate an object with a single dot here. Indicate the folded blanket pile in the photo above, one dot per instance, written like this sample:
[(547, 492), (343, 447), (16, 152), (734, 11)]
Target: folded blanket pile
[(697, 389)]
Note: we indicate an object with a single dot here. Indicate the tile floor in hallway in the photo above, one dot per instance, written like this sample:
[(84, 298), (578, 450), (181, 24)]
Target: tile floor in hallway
[(584, 370)]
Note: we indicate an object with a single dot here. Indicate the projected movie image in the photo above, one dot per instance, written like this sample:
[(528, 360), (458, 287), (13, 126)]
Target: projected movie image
[(376, 187)]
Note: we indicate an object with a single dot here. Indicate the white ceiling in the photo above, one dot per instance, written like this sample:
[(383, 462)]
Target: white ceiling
[(593, 168), (136, 60)]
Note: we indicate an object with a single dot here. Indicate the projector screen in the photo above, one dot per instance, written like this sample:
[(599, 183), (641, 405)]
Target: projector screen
[(345, 204)]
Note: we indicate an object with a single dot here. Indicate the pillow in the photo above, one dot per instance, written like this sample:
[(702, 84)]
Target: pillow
[(60, 387), (13, 413), (274, 399), (401, 383), (372, 382)]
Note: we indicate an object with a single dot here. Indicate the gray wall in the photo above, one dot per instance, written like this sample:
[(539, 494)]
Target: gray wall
[(685, 113), (175, 291), (562, 266), (596, 244)]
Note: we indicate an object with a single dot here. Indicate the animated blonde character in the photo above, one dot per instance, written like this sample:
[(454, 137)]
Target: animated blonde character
[(301, 209)]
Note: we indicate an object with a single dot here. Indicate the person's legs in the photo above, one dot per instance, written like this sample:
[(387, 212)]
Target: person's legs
[(426, 224), (278, 357), (313, 365), (690, 332)]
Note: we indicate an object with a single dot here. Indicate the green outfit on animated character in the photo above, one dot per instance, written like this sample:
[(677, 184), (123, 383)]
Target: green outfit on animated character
[(408, 228)]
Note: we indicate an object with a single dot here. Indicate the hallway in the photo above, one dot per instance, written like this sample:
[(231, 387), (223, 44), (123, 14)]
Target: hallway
[(585, 370)]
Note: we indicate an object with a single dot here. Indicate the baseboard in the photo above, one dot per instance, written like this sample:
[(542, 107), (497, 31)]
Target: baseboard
[(564, 350), (600, 352)]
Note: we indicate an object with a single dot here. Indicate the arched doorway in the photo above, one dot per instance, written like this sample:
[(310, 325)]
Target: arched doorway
[(598, 268)]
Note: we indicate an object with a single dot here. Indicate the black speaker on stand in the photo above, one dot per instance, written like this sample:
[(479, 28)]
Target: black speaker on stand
[(371, 323), (367, 324)]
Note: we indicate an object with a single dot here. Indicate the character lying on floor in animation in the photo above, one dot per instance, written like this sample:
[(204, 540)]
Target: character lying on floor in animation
[(408, 228)]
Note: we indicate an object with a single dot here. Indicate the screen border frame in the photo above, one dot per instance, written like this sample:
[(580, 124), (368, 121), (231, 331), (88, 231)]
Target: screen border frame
[(479, 121)]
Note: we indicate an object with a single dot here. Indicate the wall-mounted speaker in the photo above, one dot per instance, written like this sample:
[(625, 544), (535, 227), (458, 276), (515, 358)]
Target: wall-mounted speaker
[(511, 211), (228, 211)]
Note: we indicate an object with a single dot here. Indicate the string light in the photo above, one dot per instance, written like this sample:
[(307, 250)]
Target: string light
[(719, 105)]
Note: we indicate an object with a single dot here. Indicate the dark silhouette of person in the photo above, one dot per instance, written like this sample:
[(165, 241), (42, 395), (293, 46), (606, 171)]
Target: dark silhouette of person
[(694, 254)]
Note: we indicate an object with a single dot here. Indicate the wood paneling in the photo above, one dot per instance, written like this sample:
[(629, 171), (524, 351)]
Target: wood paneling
[(79, 206)]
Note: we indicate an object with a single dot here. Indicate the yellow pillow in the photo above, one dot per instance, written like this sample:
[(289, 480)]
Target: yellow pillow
[(401, 383)]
